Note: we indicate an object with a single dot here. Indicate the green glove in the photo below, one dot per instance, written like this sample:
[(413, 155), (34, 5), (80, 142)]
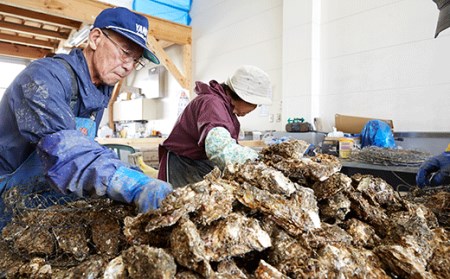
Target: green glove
[(222, 149)]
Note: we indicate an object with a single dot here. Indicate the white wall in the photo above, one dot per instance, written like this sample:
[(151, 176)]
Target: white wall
[(299, 61), (355, 57), (379, 59), (230, 33)]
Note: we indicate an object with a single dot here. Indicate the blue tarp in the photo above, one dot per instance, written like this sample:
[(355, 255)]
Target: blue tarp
[(173, 10), (377, 133)]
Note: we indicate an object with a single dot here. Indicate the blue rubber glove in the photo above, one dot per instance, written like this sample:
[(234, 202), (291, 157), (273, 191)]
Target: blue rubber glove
[(433, 171), (132, 186)]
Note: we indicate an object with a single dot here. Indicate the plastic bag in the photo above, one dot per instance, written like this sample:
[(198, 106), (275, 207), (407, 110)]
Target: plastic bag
[(377, 133)]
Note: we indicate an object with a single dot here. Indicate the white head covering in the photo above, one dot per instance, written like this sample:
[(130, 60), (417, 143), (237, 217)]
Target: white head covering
[(251, 84)]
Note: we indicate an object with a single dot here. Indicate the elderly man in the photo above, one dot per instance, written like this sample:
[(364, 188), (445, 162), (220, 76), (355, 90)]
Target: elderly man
[(50, 113)]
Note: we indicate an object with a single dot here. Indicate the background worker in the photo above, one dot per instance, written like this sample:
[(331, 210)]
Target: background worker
[(436, 170), (206, 133), (50, 113)]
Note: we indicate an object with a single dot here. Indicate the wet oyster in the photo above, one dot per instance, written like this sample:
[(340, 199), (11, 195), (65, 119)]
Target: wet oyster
[(337, 260), (306, 170), (210, 199), (148, 262), (229, 268), (335, 209), (266, 271), (234, 236), (288, 254), (188, 248), (291, 149), (377, 191), (297, 214), (440, 261), (401, 261), (247, 223), (362, 234), (36, 268), (262, 176)]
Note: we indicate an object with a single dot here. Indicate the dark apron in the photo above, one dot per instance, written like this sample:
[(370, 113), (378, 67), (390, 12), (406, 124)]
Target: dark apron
[(182, 170), (27, 187)]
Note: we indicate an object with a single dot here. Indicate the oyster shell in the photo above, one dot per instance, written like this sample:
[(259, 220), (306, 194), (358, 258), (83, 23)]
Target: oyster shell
[(235, 235), (266, 271), (36, 268), (251, 222), (210, 199), (334, 209), (401, 261), (262, 176), (229, 268), (336, 183), (291, 149), (188, 248), (306, 170), (148, 262), (377, 191), (187, 275), (288, 254), (297, 214), (362, 234), (343, 261), (440, 260)]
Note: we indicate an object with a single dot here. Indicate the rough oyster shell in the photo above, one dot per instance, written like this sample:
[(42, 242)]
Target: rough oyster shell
[(291, 149), (234, 236), (297, 214), (188, 248), (262, 176)]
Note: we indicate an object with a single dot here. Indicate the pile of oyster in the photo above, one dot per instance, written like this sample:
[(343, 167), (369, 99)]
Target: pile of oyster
[(284, 216)]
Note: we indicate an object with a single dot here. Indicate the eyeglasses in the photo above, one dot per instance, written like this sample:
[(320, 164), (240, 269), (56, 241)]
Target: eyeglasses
[(125, 55)]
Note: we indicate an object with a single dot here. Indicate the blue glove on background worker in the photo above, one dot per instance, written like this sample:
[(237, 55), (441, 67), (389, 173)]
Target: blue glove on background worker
[(433, 171)]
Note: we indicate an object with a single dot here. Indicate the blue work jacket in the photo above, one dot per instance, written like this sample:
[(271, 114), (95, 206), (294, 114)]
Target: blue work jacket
[(36, 114)]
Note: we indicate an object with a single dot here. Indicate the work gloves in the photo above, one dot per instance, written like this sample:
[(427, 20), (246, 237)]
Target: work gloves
[(433, 171), (132, 186), (222, 149)]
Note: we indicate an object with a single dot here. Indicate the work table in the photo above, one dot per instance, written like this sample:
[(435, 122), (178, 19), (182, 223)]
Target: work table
[(149, 146), (145, 143), (399, 177)]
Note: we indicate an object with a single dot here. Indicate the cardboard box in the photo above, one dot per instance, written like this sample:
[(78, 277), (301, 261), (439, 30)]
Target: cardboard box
[(355, 124)]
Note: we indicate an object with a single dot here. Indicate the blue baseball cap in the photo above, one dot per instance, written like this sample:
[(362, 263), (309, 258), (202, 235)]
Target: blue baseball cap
[(131, 25)]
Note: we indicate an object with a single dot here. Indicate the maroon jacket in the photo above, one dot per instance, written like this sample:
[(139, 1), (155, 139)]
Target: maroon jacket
[(211, 108)]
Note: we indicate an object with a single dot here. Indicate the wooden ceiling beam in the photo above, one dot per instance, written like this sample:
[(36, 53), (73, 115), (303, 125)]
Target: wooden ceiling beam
[(13, 50), (167, 62), (40, 17), (165, 44), (87, 10), (33, 30), (28, 41)]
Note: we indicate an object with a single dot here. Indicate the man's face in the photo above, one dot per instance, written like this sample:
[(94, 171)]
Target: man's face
[(115, 57)]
